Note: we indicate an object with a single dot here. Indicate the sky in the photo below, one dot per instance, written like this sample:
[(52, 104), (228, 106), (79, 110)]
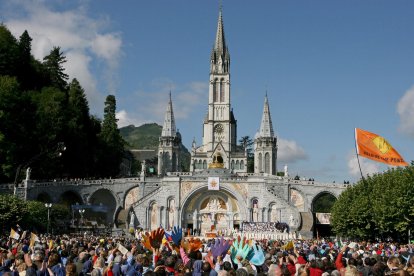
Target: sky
[(327, 67)]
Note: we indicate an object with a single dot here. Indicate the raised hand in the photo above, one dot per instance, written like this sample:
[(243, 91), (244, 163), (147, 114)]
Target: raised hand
[(177, 235), (240, 248), (220, 247), (256, 255), (146, 241), (191, 245), (155, 238)]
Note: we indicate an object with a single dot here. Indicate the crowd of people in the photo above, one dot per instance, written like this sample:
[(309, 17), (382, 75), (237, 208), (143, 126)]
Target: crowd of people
[(170, 253)]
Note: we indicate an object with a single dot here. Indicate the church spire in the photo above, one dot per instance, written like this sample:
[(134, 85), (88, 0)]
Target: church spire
[(220, 57), (266, 127), (220, 43), (169, 129)]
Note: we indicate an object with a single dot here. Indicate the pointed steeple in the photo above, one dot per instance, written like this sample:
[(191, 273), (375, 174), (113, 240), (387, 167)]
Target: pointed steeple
[(220, 56), (220, 43), (266, 127), (169, 129)]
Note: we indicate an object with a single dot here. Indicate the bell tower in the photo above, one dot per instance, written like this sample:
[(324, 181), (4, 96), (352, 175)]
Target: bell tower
[(219, 124)]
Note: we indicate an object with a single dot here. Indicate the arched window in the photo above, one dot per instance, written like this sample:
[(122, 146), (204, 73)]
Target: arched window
[(222, 90), (242, 165), (260, 165), (237, 167), (267, 162), (215, 90), (232, 164), (204, 164)]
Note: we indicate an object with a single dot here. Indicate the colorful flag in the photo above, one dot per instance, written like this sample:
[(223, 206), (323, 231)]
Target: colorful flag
[(375, 147), (33, 238), (168, 235), (14, 234), (214, 183)]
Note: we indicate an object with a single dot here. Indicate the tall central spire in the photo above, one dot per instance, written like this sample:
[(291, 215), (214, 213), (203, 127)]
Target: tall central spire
[(220, 43), (220, 57)]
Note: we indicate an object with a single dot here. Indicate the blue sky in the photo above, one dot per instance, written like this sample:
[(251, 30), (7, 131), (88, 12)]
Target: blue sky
[(327, 67)]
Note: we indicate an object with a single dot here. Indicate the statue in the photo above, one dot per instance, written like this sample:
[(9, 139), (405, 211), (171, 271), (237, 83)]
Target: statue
[(28, 171), (171, 214), (291, 220), (132, 221)]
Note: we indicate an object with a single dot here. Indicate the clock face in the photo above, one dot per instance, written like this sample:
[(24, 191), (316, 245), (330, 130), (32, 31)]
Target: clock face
[(218, 129)]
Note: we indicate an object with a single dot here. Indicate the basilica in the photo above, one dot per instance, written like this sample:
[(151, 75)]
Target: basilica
[(218, 192)]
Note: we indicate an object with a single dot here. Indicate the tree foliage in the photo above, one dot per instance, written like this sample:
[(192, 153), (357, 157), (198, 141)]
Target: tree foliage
[(381, 206), (39, 109), (12, 210), (246, 144)]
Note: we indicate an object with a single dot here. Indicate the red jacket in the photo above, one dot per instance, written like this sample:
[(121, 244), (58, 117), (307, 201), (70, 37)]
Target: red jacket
[(314, 271)]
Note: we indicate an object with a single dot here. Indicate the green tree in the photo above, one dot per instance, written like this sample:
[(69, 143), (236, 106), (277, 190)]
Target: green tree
[(12, 210), (380, 206), (54, 67), (112, 143), (78, 159), (246, 144), (9, 52)]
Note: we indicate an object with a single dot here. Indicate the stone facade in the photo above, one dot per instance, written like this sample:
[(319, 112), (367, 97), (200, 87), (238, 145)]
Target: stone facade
[(217, 194)]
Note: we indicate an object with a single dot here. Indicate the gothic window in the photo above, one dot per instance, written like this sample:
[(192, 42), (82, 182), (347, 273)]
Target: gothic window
[(222, 90), (200, 165), (204, 164), (241, 165), (232, 164), (237, 165), (267, 163), (215, 90), (260, 163)]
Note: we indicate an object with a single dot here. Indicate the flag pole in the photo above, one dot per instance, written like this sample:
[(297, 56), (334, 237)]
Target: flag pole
[(356, 150)]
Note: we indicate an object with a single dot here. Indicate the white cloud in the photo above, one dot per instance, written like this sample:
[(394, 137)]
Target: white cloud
[(367, 167), (290, 152), (83, 40), (405, 109), (187, 99)]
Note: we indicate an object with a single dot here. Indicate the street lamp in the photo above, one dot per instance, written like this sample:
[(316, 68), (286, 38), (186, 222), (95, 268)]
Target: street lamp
[(48, 206)]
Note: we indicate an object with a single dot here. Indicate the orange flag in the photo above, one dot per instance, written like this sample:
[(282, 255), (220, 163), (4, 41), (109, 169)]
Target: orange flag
[(375, 147)]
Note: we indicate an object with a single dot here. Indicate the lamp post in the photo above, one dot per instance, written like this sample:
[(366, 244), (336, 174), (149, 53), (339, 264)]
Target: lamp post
[(81, 212), (48, 206)]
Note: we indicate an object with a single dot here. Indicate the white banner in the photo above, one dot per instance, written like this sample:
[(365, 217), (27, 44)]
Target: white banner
[(214, 183)]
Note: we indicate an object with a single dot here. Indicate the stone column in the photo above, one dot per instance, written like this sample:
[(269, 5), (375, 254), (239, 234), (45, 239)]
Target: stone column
[(147, 218), (195, 220), (264, 214), (162, 216), (177, 217)]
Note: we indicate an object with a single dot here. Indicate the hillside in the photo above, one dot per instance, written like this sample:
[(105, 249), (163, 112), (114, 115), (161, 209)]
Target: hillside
[(147, 137), (142, 137)]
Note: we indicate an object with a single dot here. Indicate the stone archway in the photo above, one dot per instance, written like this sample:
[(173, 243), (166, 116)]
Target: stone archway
[(206, 210), (106, 199), (321, 210)]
